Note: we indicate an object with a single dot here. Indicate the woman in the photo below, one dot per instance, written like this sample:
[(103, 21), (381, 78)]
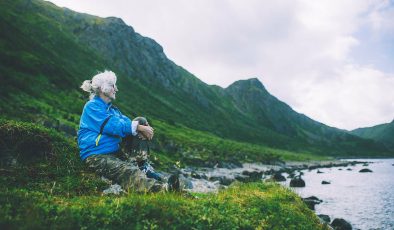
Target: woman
[(101, 129)]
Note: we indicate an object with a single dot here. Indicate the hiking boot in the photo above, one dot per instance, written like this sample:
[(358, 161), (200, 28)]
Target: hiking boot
[(146, 168)]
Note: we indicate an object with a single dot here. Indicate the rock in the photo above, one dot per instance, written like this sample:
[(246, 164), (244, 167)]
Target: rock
[(113, 189), (291, 175), (313, 167), (365, 170), (311, 202), (226, 181), (324, 218), (365, 164), (222, 180), (253, 176), (349, 169), (325, 182), (339, 169), (185, 183), (195, 175), (270, 172), (318, 171), (341, 224), (278, 177), (242, 178), (297, 182), (314, 198), (229, 165)]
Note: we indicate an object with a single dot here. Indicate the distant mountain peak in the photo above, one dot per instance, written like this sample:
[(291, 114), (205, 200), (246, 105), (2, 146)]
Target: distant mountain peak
[(116, 20), (247, 84)]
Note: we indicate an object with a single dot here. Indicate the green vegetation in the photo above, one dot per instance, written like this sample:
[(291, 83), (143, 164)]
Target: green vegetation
[(251, 206), (194, 146), (383, 133), (44, 185)]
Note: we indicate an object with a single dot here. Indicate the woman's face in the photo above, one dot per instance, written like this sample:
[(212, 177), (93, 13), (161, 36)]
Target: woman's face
[(111, 94)]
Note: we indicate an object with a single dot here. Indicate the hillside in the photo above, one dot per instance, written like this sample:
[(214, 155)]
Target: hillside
[(383, 133), (46, 186), (48, 51)]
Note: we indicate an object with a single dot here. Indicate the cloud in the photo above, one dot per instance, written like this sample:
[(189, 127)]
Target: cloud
[(331, 60), (356, 95)]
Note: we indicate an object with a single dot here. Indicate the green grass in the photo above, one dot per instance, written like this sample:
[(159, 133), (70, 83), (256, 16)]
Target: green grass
[(246, 206), (198, 145), (45, 185)]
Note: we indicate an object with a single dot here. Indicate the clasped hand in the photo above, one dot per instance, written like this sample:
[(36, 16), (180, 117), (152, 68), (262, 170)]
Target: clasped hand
[(146, 132)]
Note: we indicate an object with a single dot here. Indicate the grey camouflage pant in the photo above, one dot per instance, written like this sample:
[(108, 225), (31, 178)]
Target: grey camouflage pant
[(121, 167)]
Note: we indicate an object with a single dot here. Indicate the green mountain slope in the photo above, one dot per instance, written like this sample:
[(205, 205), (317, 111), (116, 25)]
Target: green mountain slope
[(48, 51), (251, 97), (42, 66), (383, 133)]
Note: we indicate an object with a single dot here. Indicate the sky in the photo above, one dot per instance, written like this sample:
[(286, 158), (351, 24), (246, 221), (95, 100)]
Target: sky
[(332, 60)]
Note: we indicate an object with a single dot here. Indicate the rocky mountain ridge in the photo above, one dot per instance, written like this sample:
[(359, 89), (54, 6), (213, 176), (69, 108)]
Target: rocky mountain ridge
[(152, 85)]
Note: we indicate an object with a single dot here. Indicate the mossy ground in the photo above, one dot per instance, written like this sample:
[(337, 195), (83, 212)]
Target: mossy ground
[(246, 206), (44, 185)]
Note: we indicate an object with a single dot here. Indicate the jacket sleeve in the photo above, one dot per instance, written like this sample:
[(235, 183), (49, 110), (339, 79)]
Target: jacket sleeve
[(134, 124), (95, 116)]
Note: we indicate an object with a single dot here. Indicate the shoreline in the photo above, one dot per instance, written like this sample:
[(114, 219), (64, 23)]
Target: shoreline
[(212, 179)]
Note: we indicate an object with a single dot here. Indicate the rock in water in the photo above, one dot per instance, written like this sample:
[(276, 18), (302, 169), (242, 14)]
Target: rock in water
[(365, 170), (325, 182), (291, 175), (311, 202), (341, 224), (278, 177), (297, 182), (325, 218), (253, 176)]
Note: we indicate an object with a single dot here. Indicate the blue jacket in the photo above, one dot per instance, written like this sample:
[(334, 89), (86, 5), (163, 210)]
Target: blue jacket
[(94, 114)]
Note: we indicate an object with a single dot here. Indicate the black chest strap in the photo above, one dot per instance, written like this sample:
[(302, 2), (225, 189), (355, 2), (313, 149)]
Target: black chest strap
[(101, 130)]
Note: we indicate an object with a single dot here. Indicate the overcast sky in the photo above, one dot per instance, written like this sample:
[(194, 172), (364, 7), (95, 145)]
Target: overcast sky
[(330, 60)]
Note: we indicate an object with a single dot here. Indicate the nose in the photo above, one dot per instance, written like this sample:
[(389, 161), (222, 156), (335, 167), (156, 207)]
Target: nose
[(116, 88)]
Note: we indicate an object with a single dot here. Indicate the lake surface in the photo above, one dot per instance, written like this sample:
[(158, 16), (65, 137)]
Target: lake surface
[(366, 200)]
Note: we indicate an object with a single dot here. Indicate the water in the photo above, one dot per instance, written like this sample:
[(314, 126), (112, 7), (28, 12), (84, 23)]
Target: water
[(366, 200)]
